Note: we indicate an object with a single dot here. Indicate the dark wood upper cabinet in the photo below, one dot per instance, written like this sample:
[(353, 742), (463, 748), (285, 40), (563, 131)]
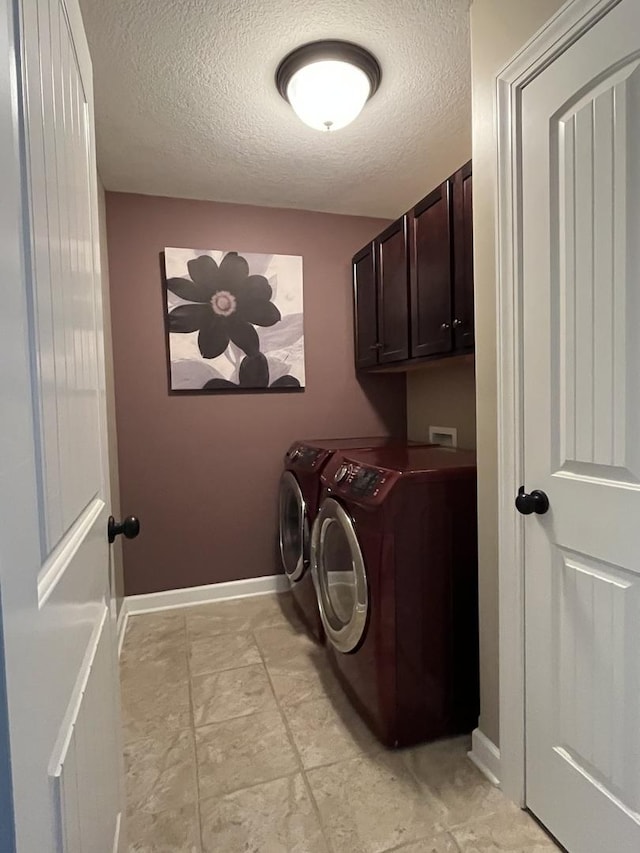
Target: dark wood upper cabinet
[(391, 274), (430, 274), (413, 286), (366, 311), (463, 319)]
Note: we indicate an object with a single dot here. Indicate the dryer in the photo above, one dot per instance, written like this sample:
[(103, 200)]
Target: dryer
[(299, 496), (394, 559)]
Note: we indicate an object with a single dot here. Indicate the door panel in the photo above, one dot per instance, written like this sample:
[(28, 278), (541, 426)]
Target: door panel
[(88, 760), (44, 220), (430, 278), (67, 367), (463, 297), (391, 274), (365, 308), (596, 693), (54, 497), (595, 292), (581, 309)]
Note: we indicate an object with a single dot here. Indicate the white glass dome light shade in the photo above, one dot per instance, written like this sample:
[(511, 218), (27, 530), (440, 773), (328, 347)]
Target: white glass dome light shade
[(328, 94), (327, 83)]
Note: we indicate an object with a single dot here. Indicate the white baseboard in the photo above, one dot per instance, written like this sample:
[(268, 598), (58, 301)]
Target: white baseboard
[(486, 756), (204, 594)]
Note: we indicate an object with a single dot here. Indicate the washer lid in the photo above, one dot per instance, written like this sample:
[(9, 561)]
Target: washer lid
[(293, 527), (340, 576)]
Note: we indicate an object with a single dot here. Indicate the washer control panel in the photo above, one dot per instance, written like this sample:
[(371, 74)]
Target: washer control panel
[(305, 456)]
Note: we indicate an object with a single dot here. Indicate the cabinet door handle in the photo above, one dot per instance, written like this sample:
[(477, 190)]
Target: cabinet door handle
[(445, 326), (376, 346), (457, 323)]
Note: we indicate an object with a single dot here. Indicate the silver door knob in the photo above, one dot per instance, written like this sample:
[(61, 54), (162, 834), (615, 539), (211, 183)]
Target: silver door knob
[(457, 323), (445, 326)]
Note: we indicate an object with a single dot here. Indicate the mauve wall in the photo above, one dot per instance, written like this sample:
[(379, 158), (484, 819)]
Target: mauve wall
[(202, 471)]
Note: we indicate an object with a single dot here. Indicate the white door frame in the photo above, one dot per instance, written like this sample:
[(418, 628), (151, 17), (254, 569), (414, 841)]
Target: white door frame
[(564, 28)]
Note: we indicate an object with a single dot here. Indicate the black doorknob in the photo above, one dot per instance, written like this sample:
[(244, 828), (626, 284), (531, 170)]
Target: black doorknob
[(537, 501), (130, 527)]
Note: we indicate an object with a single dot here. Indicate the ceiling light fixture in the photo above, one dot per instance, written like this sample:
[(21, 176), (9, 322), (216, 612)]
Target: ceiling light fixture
[(328, 82)]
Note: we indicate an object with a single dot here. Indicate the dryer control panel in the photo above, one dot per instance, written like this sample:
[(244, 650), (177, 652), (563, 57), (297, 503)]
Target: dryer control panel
[(361, 479), (356, 481)]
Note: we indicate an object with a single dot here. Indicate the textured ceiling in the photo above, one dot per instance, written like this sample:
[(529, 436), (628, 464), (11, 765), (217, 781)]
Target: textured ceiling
[(186, 103)]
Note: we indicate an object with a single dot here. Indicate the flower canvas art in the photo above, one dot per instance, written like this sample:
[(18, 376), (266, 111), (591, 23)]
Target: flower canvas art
[(234, 321)]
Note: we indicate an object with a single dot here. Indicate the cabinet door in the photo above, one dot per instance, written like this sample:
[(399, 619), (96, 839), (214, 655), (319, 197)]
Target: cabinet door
[(462, 258), (364, 307), (392, 271), (430, 278)]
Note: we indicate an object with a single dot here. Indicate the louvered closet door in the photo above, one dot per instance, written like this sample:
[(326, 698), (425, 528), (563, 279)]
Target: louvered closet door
[(581, 279)]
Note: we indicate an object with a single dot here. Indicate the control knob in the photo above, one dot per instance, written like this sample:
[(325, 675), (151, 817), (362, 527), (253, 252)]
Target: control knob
[(342, 473)]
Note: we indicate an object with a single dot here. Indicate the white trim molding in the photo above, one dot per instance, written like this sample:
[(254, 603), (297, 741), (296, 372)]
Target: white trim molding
[(118, 838), (172, 598), (486, 756), (121, 625), (558, 34)]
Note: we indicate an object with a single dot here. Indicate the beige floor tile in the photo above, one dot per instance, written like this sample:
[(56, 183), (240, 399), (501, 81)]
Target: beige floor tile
[(154, 644), (156, 699), (284, 643), (241, 614), (425, 800), (326, 730), (154, 663), (373, 803), (135, 675), (442, 843), (301, 679), (161, 772), (224, 651), (243, 752), (508, 831), (233, 693), (175, 831), (443, 767), (166, 626), (274, 817)]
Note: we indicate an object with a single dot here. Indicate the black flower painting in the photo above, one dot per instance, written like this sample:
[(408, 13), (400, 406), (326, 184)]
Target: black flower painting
[(225, 304), (253, 373), (234, 321)]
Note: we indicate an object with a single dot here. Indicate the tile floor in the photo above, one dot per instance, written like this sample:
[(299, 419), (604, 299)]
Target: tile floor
[(237, 739)]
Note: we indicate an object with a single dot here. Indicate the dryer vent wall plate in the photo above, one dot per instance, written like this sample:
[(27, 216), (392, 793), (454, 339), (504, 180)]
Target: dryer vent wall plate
[(446, 436)]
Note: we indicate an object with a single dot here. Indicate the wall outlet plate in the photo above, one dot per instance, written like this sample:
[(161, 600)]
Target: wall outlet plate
[(446, 436)]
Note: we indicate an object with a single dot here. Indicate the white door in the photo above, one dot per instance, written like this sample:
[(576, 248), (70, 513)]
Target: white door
[(581, 313), (60, 660)]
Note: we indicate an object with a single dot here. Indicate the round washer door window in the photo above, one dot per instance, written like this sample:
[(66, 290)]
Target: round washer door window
[(340, 576), (294, 527)]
